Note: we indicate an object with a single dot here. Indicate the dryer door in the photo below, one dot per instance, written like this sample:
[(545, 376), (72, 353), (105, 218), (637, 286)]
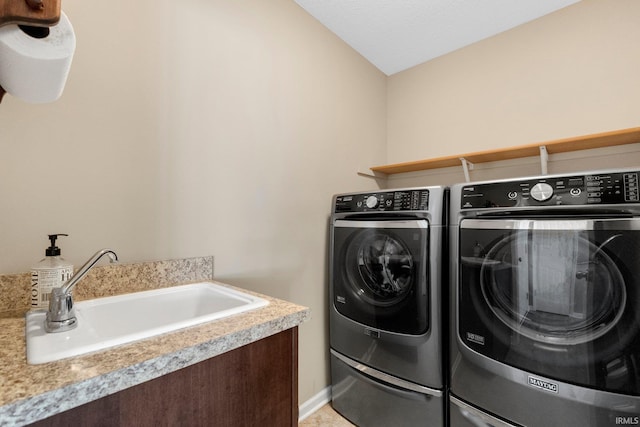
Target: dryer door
[(380, 273), (556, 297)]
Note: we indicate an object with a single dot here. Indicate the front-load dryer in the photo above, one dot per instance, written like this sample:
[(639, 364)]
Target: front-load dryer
[(546, 301), (386, 329)]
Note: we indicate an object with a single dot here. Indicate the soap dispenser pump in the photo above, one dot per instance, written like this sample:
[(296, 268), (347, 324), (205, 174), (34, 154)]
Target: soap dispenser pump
[(51, 272)]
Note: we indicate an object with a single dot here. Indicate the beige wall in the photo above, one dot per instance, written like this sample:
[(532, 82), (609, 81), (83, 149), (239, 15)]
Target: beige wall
[(571, 73), (196, 128)]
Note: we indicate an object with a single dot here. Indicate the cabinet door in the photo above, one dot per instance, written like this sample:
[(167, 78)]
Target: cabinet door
[(256, 384)]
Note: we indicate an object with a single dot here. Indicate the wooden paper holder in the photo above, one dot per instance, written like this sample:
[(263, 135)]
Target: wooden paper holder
[(36, 13)]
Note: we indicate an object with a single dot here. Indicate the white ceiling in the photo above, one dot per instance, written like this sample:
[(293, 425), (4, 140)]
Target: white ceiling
[(398, 34)]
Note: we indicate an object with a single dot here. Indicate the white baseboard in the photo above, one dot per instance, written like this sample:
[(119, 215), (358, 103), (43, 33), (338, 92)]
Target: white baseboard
[(315, 403)]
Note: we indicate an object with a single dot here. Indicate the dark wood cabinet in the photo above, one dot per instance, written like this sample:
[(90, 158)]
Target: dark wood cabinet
[(254, 385)]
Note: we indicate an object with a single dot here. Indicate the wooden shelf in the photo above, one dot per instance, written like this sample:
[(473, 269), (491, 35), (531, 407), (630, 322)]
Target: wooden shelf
[(606, 139)]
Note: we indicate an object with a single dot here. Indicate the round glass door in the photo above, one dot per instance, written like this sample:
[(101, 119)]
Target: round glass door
[(552, 286), (380, 268)]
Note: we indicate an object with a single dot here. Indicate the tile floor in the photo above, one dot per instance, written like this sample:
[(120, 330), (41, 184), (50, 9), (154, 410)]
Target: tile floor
[(325, 417)]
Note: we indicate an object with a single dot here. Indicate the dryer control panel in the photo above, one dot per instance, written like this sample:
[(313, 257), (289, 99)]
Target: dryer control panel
[(576, 190), (383, 201)]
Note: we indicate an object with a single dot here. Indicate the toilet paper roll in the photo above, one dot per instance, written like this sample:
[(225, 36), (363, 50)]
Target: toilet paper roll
[(36, 69)]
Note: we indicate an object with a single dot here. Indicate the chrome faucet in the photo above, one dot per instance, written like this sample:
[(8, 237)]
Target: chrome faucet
[(61, 315)]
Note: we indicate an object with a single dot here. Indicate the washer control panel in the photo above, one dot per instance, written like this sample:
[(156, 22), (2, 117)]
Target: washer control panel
[(383, 201), (596, 189)]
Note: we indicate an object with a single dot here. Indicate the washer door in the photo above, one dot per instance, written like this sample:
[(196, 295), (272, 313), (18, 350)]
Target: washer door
[(380, 267), (379, 273), (553, 287), (558, 297)]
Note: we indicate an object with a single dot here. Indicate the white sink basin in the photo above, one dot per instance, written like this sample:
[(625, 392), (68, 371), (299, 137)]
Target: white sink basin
[(111, 321)]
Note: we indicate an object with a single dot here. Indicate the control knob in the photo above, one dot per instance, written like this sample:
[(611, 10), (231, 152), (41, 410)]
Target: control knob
[(372, 202), (541, 191)]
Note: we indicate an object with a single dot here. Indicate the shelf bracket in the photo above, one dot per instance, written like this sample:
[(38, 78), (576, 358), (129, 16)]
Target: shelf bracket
[(371, 174), (544, 159), (466, 167)]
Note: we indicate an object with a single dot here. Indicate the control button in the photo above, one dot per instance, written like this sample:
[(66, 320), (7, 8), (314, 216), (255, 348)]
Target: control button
[(389, 202), (512, 195), (372, 202), (575, 191), (541, 191)]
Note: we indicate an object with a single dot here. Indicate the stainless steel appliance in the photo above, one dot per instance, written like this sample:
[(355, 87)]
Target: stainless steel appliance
[(387, 364), (545, 276)]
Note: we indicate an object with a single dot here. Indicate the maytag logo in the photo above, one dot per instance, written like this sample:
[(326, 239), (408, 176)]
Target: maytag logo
[(543, 385), (372, 333)]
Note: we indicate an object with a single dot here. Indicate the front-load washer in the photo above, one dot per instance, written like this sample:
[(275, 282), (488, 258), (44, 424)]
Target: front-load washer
[(385, 276), (545, 276)]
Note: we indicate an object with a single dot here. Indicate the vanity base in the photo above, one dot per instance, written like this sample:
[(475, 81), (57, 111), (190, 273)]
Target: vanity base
[(256, 384)]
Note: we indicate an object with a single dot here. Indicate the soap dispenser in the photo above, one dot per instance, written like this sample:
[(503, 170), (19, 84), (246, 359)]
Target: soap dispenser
[(51, 272)]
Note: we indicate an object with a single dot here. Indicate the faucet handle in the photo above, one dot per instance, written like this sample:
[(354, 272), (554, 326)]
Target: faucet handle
[(61, 315)]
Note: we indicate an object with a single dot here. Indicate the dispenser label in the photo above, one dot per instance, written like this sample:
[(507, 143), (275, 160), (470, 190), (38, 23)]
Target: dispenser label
[(43, 280)]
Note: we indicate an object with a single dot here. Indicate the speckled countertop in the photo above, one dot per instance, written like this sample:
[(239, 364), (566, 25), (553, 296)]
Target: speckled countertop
[(29, 393)]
